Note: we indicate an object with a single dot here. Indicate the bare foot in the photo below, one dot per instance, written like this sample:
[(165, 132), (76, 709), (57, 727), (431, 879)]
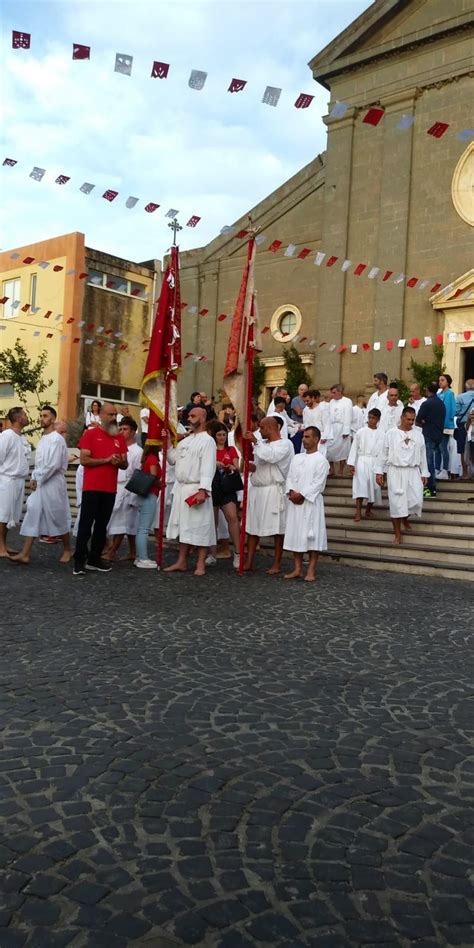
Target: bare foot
[(295, 574), (397, 540), (369, 515), (12, 552), (273, 571), (199, 571), (357, 518), (20, 559), (406, 525), (310, 578), (66, 557), (248, 568), (176, 568), (108, 557)]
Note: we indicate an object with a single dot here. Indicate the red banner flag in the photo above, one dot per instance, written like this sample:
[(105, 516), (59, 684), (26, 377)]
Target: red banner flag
[(332, 261), (303, 101), (305, 252), (164, 357), (80, 52), (373, 116), (388, 274), (243, 325), (160, 70), (151, 207), (20, 40), (275, 246), (438, 129), (62, 179), (110, 195), (412, 282), (360, 269), (237, 85), (193, 221), (10, 162)]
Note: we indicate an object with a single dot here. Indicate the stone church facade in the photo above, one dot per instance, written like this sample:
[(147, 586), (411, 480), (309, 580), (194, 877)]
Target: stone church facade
[(397, 199)]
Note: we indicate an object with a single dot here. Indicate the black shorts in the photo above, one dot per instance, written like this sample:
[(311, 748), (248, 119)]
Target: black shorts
[(220, 499)]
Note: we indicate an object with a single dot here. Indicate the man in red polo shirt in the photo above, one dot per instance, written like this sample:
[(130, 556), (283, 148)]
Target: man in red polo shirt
[(103, 452)]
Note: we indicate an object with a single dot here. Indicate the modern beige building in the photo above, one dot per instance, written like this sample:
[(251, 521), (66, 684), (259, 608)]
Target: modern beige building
[(389, 196)]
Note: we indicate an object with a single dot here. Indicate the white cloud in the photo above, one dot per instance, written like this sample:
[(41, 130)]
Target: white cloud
[(208, 153)]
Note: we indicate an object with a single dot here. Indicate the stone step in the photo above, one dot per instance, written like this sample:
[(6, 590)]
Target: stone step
[(447, 527), (422, 567), (432, 511), (433, 538), (407, 549)]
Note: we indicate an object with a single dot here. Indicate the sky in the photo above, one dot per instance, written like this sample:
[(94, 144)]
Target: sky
[(209, 152)]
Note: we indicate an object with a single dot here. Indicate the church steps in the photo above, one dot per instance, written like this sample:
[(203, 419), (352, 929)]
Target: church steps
[(447, 526), (418, 537), (422, 567), (406, 550)]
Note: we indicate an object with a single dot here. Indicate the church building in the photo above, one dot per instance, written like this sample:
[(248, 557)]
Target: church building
[(386, 215)]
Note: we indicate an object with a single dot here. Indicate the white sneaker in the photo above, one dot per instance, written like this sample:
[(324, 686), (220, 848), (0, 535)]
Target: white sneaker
[(210, 560), (236, 561), (145, 564)]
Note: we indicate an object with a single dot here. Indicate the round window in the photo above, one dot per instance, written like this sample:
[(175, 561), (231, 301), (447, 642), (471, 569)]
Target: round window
[(286, 323)]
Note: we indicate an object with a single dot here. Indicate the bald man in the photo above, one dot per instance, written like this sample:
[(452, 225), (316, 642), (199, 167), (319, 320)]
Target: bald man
[(267, 504)]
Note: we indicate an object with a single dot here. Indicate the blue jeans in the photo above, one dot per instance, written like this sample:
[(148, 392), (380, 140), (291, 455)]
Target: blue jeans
[(442, 454), (431, 448), (146, 516)]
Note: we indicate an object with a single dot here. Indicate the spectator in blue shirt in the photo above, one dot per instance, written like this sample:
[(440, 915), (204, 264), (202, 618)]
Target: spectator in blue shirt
[(430, 419), (464, 404), (447, 396)]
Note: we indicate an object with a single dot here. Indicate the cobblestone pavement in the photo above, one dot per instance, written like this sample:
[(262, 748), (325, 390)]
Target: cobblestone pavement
[(234, 762)]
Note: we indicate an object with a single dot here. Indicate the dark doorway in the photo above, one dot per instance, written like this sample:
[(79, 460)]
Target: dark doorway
[(468, 367)]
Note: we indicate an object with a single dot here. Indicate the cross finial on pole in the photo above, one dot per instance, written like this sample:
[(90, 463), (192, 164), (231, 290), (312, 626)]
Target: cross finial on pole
[(175, 227)]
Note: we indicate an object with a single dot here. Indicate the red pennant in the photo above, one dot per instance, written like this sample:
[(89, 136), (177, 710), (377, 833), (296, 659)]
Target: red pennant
[(82, 276), (80, 52), (76, 339), (373, 116), (108, 332), (321, 344), (341, 348), (237, 85), (183, 305), (303, 339), (439, 339), (241, 234), (159, 70), (58, 268), (412, 282), (11, 162), (275, 246), (63, 179), (203, 312), (388, 274), (70, 320), (123, 346), (305, 252), (193, 221), (28, 260), (151, 207), (101, 343), (415, 342), (20, 40), (332, 261), (389, 345), (303, 101), (265, 330), (4, 300), (135, 292), (458, 293), (436, 287), (366, 346), (360, 269), (110, 195), (25, 308), (48, 314), (90, 327), (221, 317), (467, 334), (187, 355), (438, 129), (49, 335)]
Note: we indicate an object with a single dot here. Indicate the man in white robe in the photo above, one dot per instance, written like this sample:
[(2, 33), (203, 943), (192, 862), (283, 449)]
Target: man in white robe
[(195, 465), (305, 522), (416, 399), (266, 504), (392, 410), (378, 399), (403, 459), (366, 448), (288, 428), (124, 519), (316, 414), (47, 508), (340, 420), (13, 470)]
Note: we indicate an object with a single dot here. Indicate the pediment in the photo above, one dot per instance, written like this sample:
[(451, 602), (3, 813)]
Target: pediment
[(385, 27), (459, 293)]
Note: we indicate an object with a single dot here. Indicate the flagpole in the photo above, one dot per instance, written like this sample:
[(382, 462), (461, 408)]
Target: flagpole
[(248, 413), (164, 450)]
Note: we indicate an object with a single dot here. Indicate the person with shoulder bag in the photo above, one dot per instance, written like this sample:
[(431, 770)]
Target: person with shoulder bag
[(463, 408), (147, 487), (226, 484)]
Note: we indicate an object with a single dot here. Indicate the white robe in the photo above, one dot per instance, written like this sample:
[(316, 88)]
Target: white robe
[(377, 400), (124, 518), (195, 466), (366, 448), (266, 504), (79, 485), (340, 419), (305, 523), (47, 508), (403, 459), (318, 417), (359, 419), (13, 470), (391, 415)]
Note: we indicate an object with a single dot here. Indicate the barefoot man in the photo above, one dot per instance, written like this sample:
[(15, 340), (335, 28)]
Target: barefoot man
[(193, 523), (366, 448), (305, 524), (266, 507), (13, 470), (47, 507), (403, 458), (124, 519)]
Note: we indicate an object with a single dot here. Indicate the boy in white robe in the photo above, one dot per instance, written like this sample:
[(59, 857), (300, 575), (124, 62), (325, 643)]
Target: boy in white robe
[(340, 420), (195, 466), (47, 507), (316, 414), (305, 523), (266, 504), (366, 447), (403, 458), (124, 518), (13, 470)]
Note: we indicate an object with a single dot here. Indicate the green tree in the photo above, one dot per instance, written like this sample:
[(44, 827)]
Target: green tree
[(26, 376), (424, 372), (258, 377), (296, 373)]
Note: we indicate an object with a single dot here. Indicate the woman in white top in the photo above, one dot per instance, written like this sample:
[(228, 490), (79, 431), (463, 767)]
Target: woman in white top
[(93, 414)]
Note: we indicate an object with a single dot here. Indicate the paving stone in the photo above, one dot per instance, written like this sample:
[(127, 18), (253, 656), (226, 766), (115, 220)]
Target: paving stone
[(88, 893)]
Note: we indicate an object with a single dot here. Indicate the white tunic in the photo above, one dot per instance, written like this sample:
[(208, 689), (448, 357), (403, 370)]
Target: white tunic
[(366, 448), (305, 523), (391, 415), (266, 505), (416, 404), (340, 418), (13, 470), (195, 466), (125, 513), (403, 458), (47, 508), (377, 400), (359, 419)]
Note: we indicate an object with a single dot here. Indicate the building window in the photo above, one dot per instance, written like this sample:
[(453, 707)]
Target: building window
[(12, 289), (117, 284), (33, 285), (6, 390), (286, 323), (114, 393)]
